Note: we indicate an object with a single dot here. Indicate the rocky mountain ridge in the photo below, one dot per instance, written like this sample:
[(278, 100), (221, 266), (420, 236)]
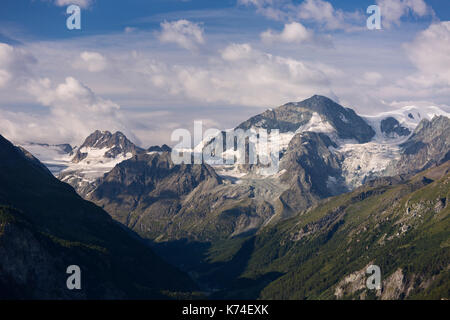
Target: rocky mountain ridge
[(326, 150)]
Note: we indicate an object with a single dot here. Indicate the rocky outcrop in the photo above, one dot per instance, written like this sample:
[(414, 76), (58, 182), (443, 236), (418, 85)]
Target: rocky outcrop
[(114, 144), (146, 192), (311, 169), (163, 148), (291, 116), (390, 126), (428, 146)]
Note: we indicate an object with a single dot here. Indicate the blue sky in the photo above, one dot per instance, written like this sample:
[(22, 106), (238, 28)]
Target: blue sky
[(37, 19), (149, 67)]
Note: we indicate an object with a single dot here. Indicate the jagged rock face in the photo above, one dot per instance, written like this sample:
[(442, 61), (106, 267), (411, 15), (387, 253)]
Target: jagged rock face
[(140, 193), (114, 144), (326, 150), (147, 190), (163, 148), (227, 210), (153, 175), (312, 170), (163, 201), (291, 116), (429, 145), (391, 125), (99, 153)]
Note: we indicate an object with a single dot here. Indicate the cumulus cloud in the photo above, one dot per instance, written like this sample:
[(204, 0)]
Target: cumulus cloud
[(70, 95), (393, 10), (292, 33), (430, 53), (74, 112), (81, 3), (243, 75), (323, 13), (256, 2), (185, 33), (14, 64), (236, 52), (430, 81), (91, 61), (362, 72), (319, 12)]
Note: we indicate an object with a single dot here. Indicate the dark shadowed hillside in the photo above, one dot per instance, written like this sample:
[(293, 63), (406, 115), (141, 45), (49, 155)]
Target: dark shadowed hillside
[(45, 227)]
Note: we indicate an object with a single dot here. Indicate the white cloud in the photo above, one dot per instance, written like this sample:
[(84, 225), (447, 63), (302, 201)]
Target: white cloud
[(393, 10), (4, 77), (430, 81), (74, 111), (91, 61), (273, 9), (129, 29), (81, 3), (430, 53), (316, 11), (256, 2), (143, 76), (323, 13), (243, 76), (182, 32), (236, 52), (370, 78), (292, 33), (14, 64), (70, 95)]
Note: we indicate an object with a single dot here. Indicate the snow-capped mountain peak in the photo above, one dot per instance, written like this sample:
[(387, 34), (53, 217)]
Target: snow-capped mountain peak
[(99, 153), (103, 146), (407, 117)]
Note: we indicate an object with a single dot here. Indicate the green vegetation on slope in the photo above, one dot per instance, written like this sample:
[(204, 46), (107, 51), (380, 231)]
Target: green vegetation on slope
[(403, 228), (323, 253)]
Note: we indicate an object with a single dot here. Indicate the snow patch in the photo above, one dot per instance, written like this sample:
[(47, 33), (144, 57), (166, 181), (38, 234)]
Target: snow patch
[(52, 156), (366, 161), (95, 164), (408, 116)]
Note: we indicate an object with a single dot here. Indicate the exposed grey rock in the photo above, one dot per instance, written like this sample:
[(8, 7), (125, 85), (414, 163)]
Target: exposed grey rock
[(117, 143), (115, 146), (163, 148), (147, 190), (291, 116), (163, 201), (391, 125), (312, 170), (428, 146)]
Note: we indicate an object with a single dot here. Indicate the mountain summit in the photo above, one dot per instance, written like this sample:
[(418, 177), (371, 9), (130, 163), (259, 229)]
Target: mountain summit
[(317, 113), (99, 154), (113, 144), (325, 150)]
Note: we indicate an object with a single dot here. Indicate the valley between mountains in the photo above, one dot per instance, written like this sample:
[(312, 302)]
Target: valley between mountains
[(350, 191)]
